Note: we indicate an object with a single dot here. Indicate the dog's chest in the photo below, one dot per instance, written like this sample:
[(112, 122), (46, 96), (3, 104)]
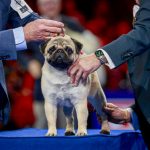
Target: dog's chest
[(56, 88), (67, 94), (63, 94)]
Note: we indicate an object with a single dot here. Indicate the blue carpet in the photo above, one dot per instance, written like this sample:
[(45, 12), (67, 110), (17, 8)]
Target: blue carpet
[(34, 139)]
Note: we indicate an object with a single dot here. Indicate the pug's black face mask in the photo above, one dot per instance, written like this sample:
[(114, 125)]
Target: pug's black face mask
[(60, 58)]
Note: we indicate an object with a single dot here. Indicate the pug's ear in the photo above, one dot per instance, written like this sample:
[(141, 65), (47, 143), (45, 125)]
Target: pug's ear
[(78, 46), (43, 46)]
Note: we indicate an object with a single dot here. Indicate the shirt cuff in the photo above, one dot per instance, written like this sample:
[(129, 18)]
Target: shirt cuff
[(134, 119), (19, 39), (110, 63)]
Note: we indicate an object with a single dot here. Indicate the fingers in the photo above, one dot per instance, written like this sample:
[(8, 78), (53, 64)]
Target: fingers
[(51, 26), (84, 76), (52, 23), (77, 73), (53, 29), (109, 108), (52, 32), (49, 37), (72, 74), (110, 105), (70, 69), (46, 34), (78, 77)]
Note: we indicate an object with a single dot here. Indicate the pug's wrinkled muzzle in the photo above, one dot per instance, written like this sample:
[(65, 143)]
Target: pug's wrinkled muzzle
[(60, 60), (60, 56)]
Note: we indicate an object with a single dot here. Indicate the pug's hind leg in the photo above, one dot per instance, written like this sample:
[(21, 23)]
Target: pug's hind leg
[(51, 115), (105, 129), (68, 111), (98, 99), (82, 115)]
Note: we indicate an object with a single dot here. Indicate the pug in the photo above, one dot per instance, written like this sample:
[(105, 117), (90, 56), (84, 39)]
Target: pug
[(60, 53)]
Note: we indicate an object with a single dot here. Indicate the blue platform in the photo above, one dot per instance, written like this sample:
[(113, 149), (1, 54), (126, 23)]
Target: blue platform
[(34, 139)]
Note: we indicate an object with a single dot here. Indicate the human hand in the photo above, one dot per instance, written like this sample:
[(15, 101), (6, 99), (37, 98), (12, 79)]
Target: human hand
[(117, 115), (82, 68), (42, 29)]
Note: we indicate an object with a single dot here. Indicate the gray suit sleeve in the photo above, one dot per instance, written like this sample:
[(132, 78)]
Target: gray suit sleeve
[(135, 42), (7, 46)]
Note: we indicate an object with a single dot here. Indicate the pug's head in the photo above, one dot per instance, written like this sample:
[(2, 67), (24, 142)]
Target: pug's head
[(60, 52)]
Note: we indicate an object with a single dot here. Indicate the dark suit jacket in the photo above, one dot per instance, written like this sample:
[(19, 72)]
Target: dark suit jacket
[(7, 43), (134, 48)]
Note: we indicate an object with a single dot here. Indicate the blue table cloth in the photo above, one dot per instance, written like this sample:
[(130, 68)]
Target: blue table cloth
[(34, 139)]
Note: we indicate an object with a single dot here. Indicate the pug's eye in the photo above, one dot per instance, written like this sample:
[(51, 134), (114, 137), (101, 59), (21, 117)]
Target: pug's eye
[(69, 50), (52, 49)]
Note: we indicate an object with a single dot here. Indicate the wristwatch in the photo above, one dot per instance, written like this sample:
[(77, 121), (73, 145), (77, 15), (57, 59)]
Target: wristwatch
[(100, 55)]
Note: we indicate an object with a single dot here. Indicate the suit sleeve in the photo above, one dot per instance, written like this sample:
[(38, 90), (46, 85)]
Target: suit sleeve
[(135, 42), (7, 46), (16, 21)]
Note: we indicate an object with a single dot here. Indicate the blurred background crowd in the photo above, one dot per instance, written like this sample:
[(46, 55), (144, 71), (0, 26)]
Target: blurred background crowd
[(92, 22)]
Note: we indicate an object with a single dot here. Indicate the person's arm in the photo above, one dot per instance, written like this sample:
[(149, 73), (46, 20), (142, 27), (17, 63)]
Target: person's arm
[(121, 50)]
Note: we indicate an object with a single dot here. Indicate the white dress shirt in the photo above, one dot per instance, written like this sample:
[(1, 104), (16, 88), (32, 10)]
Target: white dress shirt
[(19, 39)]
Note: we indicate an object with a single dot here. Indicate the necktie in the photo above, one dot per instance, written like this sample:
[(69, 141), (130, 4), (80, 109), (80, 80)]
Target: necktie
[(4, 106), (3, 98)]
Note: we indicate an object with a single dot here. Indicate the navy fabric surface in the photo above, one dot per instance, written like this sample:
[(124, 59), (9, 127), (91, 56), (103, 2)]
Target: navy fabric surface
[(34, 139)]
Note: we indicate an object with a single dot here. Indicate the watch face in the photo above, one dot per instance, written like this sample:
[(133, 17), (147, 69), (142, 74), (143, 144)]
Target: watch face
[(99, 53)]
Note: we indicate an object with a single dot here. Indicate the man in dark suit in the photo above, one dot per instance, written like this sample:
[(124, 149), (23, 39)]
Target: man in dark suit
[(133, 48), (27, 27)]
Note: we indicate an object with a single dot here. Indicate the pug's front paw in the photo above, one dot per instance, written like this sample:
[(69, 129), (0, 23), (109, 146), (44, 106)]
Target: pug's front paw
[(69, 133), (81, 133), (51, 133), (107, 132)]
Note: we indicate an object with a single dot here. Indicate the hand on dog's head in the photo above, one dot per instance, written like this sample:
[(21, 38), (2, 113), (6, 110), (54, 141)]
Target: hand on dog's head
[(60, 52)]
